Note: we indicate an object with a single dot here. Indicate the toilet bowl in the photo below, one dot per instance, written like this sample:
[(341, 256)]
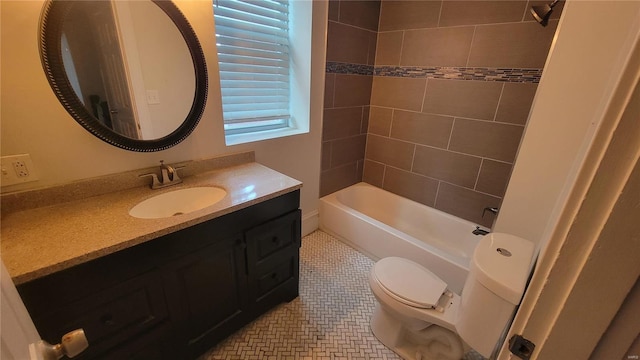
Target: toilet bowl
[(418, 318)]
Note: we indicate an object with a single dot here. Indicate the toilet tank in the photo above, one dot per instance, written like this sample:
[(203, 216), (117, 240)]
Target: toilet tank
[(497, 277)]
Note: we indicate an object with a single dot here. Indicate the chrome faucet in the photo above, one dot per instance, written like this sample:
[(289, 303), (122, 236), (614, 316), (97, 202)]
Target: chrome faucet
[(479, 231), (169, 176)]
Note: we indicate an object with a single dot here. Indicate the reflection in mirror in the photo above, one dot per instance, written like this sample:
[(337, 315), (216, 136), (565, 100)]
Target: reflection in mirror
[(131, 72)]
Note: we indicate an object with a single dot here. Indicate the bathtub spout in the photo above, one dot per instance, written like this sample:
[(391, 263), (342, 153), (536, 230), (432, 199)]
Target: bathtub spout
[(479, 231)]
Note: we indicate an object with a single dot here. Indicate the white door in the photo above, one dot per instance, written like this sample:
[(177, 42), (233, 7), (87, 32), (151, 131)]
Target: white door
[(17, 331)]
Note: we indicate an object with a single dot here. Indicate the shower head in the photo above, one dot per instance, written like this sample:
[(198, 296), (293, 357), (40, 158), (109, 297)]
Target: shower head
[(542, 12)]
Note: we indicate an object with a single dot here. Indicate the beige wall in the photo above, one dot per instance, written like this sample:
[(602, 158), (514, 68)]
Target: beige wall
[(34, 122)]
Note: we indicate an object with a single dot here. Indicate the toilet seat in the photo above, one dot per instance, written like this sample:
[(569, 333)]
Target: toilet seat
[(409, 282)]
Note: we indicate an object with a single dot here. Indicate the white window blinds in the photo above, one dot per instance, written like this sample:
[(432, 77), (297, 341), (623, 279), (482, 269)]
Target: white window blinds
[(253, 53)]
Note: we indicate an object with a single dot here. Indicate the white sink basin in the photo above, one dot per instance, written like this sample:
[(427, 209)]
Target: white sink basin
[(177, 202)]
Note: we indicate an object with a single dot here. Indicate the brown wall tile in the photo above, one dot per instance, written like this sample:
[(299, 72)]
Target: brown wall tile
[(465, 203), (415, 187), (348, 44), (352, 90), (380, 121), (347, 150), (373, 173), (360, 13), (329, 82), (493, 177), (515, 103), (486, 139), (470, 99), (338, 178), (400, 15), (360, 169), (517, 45), (397, 116), (448, 166), (334, 10), (325, 162), (364, 126), (373, 43), (456, 13), (399, 93), (437, 47), (389, 48), (389, 151), (426, 129), (341, 122)]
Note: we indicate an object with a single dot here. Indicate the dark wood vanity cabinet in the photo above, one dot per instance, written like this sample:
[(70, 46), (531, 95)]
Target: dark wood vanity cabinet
[(176, 296)]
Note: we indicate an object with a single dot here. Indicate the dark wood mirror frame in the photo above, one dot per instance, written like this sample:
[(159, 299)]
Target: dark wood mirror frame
[(51, 26)]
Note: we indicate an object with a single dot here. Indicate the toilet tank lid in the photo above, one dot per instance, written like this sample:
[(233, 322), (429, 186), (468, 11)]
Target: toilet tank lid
[(502, 263)]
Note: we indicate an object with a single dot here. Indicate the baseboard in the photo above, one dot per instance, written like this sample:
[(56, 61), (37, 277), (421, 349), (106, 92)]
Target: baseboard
[(310, 222)]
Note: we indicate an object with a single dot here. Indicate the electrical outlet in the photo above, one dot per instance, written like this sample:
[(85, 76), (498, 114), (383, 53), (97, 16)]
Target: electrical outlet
[(16, 169), (20, 168)]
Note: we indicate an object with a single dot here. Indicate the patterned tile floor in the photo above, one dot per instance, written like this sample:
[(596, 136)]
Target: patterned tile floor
[(329, 320)]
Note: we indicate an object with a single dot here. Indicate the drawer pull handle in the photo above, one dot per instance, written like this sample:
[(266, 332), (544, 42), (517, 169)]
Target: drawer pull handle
[(274, 276), (275, 240), (107, 320)]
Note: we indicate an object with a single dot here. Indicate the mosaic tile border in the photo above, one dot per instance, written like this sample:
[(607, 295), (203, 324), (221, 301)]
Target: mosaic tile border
[(350, 69), (439, 72)]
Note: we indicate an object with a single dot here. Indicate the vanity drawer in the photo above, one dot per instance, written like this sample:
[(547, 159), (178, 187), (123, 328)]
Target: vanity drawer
[(111, 316), (274, 235), (275, 275)]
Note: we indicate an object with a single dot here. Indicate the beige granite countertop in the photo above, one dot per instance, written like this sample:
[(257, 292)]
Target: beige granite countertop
[(40, 241)]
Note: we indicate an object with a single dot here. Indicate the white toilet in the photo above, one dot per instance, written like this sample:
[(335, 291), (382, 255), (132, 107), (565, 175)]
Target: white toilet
[(418, 318)]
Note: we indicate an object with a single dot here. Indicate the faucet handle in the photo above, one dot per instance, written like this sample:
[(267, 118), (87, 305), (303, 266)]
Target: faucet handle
[(175, 173), (493, 210), (155, 182)]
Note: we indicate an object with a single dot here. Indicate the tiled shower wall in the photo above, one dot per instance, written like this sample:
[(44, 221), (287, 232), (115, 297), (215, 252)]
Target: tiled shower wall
[(351, 43), (452, 88)]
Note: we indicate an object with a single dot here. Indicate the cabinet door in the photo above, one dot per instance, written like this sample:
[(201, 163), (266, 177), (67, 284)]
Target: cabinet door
[(134, 309), (206, 291)]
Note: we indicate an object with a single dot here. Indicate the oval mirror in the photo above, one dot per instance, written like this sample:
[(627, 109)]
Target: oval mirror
[(130, 72)]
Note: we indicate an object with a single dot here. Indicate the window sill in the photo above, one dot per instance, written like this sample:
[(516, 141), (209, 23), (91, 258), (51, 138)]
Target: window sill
[(262, 135)]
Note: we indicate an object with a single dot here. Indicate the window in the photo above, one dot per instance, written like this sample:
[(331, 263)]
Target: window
[(252, 39)]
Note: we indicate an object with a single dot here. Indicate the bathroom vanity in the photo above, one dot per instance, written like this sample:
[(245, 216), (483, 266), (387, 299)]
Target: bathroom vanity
[(163, 288)]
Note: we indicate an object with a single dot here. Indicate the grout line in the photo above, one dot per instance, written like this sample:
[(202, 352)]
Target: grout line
[(495, 114), (473, 37), (453, 124), (526, 8), (440, 14), (362, 121), (413, 157), (475, 185), (424, 95), (384, 173), (435, 200), (404, 33), (352, 26), (393, 113)]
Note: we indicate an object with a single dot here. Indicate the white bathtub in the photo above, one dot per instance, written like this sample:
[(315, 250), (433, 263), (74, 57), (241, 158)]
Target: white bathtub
[(380, 224)]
